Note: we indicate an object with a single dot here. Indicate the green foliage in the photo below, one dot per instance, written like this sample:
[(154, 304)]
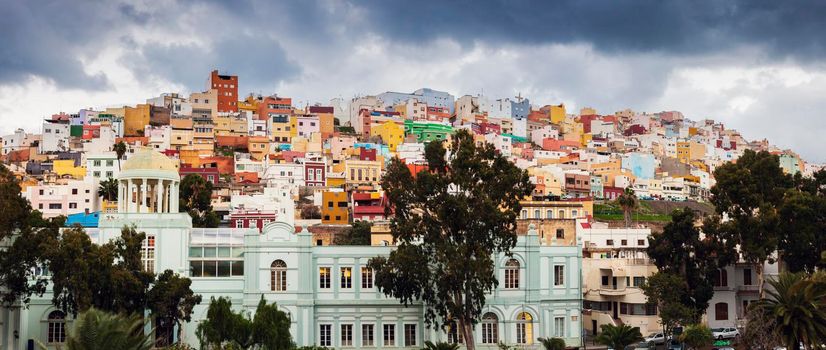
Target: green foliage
[(803, 224), (697, 336), (268, 330), (196, 199), (668, 291), (628, 202), (108, 189), (357, 234), (796, 304), (552, 343), (429, 345), (686, 264), (171, 300), (618, 337), (749, 193), (98, 330), (14, 207), (449, 222)]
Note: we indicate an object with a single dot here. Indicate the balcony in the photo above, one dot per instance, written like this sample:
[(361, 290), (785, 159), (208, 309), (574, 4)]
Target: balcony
[(612, 291), (747, 289)]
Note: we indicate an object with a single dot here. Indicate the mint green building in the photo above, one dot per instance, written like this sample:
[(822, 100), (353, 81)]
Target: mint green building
[(426, 132)]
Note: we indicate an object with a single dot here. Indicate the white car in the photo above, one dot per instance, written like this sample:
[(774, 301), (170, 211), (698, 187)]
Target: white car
[(725, 333), (655, 338)]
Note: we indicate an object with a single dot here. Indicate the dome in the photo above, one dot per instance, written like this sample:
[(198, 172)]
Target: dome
[(148, 159)]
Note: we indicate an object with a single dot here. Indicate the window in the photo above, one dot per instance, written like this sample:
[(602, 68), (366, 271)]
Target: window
[(490, 329), (72, 205), (454, 336), (74, 191), (55, 206), (640, 242), (549, 214), (239, 223), (109, 174), (110, 162), (624, 242), (346, 335), (325, 335), (639, 281), (609, 242), (524, 328), (366, 277), (560, 233), (559, 327), (346, 277), (721, 311), (512, 274), (524, 212), (278, 276), (410, 335), (148, 253), (536, 214), (389, 335), (57, 327), (559, 275), (721, 278), (366, 335), (96, 173), (747, 277), (561, 214), (604, 280), (324, 277), (253, 223), (96, 162)]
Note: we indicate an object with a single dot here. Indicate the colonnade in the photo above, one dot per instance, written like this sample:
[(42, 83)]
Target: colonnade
[(147, 195)]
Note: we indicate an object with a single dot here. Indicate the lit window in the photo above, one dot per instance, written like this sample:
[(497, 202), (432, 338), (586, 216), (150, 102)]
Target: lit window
[(366, 277), (324, 277), (524, 328), (346, 277)]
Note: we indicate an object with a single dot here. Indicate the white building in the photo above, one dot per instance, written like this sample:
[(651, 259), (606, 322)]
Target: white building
[(55, 136)]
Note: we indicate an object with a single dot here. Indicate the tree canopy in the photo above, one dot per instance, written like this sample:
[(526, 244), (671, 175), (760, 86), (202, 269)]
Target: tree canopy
[(359, 233), (196, 199), (449, 221)]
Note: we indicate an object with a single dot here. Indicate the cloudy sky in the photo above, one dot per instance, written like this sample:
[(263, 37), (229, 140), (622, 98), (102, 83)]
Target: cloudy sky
[(758, 66)]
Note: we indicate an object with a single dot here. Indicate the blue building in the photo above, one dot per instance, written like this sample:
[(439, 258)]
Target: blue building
[(83, 219), (642, 165)]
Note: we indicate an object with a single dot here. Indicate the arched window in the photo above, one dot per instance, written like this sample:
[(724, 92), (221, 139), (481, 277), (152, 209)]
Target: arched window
[(536, 214), (57, 327), (278, 276), (490, 328), (574, 213), (524, 328), (512, 274), (454, 334), (524, 214), (561, 214), (721, 311), (549, 214)]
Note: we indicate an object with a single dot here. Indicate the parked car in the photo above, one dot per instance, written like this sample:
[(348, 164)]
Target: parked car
[(723, 348), (655, 338), (725, 333)]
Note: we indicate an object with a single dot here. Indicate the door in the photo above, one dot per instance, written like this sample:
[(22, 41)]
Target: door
[(615, 309), (594, 326)]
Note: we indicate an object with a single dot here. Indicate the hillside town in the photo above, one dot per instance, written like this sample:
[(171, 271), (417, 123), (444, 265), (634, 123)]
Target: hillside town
[(289, 186)]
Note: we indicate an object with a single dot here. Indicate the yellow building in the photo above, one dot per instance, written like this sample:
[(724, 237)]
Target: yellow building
[(205, 100), (334, 208), (230, 125), (390, 132), (362, 172), (688, 151), (67, 167), (249, 104), (558, 114), (135, 119), (258, 146)]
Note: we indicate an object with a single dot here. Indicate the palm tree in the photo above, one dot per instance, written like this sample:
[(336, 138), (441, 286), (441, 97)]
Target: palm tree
[(628, 202), (797, 305), (99, 330), (108, 189), (618, 337), (552, 343), (429, 345), (120, 150)]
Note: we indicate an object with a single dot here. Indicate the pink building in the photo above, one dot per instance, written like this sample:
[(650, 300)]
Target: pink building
[(75, 196), (306, 125)]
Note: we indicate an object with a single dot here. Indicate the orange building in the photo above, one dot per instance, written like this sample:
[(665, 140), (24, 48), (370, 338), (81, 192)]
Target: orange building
[(227, 86), (334, 208), (258, 147)]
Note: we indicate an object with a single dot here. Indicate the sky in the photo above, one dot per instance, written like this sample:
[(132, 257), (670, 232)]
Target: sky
[(757, 66)]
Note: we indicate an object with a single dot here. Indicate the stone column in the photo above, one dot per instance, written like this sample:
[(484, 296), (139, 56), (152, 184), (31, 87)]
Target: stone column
[(142, 198), (130, 205), (159, 196), (174, 196)]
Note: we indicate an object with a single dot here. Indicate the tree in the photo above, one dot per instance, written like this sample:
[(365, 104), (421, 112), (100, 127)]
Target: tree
[(310, 211), (268, 330), (99, 330), (697, 336), (748, 193), (171, 301), (683, 258), (196, 199), (802, 217), (271, 327), (429, 345), (797, 306), (628, 202), (552, 343), (108, 189), (673, 302), (13, 205), (359, 233), (618, 337), (449, 222), (761, 330), (120, 150)]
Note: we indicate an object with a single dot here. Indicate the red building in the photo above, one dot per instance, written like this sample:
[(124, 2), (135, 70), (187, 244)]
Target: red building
[(227, 86), (274, 108), (91, 132), (367, 154), (368, 206), (210, 174), (315, 173), (251, 218), (611, 193)]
